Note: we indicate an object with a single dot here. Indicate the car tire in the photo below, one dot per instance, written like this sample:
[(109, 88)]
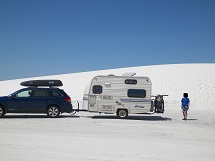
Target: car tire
[(2, 111), (122, 113), (53, 111)]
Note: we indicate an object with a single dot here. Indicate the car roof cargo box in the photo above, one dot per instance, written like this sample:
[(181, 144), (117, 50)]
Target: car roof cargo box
[(36, 83)]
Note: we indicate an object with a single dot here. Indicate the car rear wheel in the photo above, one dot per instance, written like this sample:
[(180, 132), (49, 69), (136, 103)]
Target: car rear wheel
[(122, 113), (53, 111), (2, 111)]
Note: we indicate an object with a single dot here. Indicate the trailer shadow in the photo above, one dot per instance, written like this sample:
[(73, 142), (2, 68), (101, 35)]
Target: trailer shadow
[(143, 118)]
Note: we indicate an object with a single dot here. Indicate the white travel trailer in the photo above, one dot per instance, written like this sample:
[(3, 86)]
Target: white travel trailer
[(122, 95)]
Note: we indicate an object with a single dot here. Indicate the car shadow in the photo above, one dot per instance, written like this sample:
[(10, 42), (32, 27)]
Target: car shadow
[(26, 116), (143, 118)]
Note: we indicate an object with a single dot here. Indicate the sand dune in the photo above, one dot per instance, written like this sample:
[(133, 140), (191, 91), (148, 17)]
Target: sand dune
[(174, 80)]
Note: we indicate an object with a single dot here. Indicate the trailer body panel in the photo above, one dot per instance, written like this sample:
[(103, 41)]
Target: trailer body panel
[(107, 94)]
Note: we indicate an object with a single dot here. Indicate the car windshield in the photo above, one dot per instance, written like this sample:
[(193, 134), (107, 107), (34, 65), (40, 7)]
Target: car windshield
[(14, 93)]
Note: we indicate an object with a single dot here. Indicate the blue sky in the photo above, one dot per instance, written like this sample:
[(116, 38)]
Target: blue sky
[(48, 37)]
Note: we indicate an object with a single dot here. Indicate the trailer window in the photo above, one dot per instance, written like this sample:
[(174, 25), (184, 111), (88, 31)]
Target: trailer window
[(137, 93), (130, 81), (97, 89)]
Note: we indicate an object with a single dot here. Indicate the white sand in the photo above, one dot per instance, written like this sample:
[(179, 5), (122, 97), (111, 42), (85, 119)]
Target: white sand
[(89, 136)]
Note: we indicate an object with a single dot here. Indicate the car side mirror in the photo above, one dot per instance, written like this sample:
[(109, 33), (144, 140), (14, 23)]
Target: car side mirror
[(13, 96)]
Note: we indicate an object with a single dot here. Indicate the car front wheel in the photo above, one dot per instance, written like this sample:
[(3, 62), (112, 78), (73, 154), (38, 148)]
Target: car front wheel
[(53, 111), (2, 111)]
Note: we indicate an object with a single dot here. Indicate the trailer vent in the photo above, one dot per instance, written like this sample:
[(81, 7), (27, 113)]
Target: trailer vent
[(91, 105), (106, 97), (106, 107), (108, 84)]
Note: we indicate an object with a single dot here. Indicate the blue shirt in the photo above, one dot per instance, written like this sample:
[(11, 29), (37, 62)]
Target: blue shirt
[(185, 101)]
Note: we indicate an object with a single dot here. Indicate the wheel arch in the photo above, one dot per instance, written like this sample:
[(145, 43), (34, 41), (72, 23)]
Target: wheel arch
[(53, 105), (122, 109), (3, 107), (4, 110), (118, 113)]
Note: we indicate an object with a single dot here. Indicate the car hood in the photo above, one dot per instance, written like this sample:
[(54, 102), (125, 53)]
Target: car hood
[(2, 98)]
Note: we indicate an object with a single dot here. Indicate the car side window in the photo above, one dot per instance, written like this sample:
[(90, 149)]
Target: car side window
[(26, 93), (41, 93), (55, 94)]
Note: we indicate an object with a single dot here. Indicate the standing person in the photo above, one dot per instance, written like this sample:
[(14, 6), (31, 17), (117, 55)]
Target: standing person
[(185, 103)]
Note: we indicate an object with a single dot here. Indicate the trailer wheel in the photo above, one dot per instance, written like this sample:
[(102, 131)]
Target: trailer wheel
[(2, 111), (122, 113), (53, 111)]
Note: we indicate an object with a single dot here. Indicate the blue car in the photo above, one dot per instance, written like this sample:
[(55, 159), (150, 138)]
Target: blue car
[(51, 101)]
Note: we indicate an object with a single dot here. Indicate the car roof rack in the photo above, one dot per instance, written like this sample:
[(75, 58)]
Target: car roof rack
[(43, 83)]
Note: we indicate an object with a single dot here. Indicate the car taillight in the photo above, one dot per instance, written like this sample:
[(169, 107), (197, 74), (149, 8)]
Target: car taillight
[(67, 99)]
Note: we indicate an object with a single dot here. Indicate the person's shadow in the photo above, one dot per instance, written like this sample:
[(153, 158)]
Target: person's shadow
[(191, 119)]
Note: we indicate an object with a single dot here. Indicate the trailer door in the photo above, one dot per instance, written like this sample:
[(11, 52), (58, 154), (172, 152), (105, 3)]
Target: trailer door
[(95, 97), (92, 103)]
